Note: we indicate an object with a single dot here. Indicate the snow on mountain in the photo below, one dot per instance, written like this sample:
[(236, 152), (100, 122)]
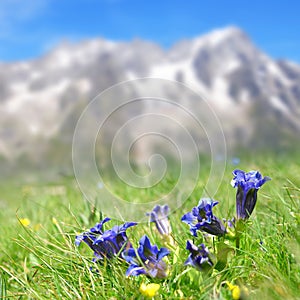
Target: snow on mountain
[(40, 98)]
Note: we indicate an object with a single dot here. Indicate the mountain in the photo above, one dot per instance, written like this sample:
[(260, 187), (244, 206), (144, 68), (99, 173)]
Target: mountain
[(256, 97)]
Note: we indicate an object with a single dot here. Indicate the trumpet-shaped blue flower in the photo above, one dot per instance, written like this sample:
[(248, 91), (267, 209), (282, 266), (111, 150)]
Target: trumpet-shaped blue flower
[(146, 260), (107, 243), (199, 257), (159, 215), (247, 186), (202, 218)]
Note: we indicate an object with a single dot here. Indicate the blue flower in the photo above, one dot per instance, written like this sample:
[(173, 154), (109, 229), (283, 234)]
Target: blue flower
[(235, 161), (230, 223), (146, 260), (107, 243), (202, 218), (159, 215), (247, 186), (199, 257)]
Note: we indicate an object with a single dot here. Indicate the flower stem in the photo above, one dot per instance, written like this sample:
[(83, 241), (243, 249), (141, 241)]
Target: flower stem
[(237, 242), (239, 229)]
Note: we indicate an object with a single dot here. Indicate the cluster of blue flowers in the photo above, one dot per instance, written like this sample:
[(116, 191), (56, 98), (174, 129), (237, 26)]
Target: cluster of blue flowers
[(148, 259), (106, 244)]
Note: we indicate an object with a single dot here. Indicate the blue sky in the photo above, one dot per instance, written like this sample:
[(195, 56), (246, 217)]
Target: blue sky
[(30, 28)]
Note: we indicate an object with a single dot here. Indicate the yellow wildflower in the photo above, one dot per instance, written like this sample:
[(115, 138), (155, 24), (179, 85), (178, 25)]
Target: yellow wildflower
[(25, 222), (235, 290), (149, 290), (54, 221)]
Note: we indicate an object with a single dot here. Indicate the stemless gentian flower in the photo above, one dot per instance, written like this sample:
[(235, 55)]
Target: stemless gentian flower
[(146, 260), (159, 215), (247, 186), (202, 218), (107, 243), (199, 257)]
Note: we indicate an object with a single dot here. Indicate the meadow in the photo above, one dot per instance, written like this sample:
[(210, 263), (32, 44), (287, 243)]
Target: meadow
[(39, 259)]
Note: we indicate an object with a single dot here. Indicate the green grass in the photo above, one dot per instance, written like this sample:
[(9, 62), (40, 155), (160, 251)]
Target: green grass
[(40, 261)]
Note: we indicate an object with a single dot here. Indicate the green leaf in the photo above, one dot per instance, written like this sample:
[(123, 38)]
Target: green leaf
[(3, 287)]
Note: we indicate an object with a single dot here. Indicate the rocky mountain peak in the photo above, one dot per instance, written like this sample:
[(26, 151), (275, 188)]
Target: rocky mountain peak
[(40, 98)]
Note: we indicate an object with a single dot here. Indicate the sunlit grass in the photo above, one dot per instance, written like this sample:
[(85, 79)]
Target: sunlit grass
[(40, 261)]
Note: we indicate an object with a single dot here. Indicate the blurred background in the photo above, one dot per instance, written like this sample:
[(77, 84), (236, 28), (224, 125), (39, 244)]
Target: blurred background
[(56, 56)]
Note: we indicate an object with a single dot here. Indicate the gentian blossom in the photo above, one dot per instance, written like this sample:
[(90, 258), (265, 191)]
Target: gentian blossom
[(202, 218), (199, 257), (107, 243), (159, 215), (247, 186), (146, 260)]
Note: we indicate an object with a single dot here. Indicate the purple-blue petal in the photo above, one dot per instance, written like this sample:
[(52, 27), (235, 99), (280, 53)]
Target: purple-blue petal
[(191, 247), (98, 228), (153, 272), (189, 261), (189, 218), (162, 253), (159, 215), (165, 210), (153, 216), (193, 230), (130, 256), (157, 209), (146, 249), (195, 211), (149, 260), (135, 270), (125, 226), (78, 239)]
